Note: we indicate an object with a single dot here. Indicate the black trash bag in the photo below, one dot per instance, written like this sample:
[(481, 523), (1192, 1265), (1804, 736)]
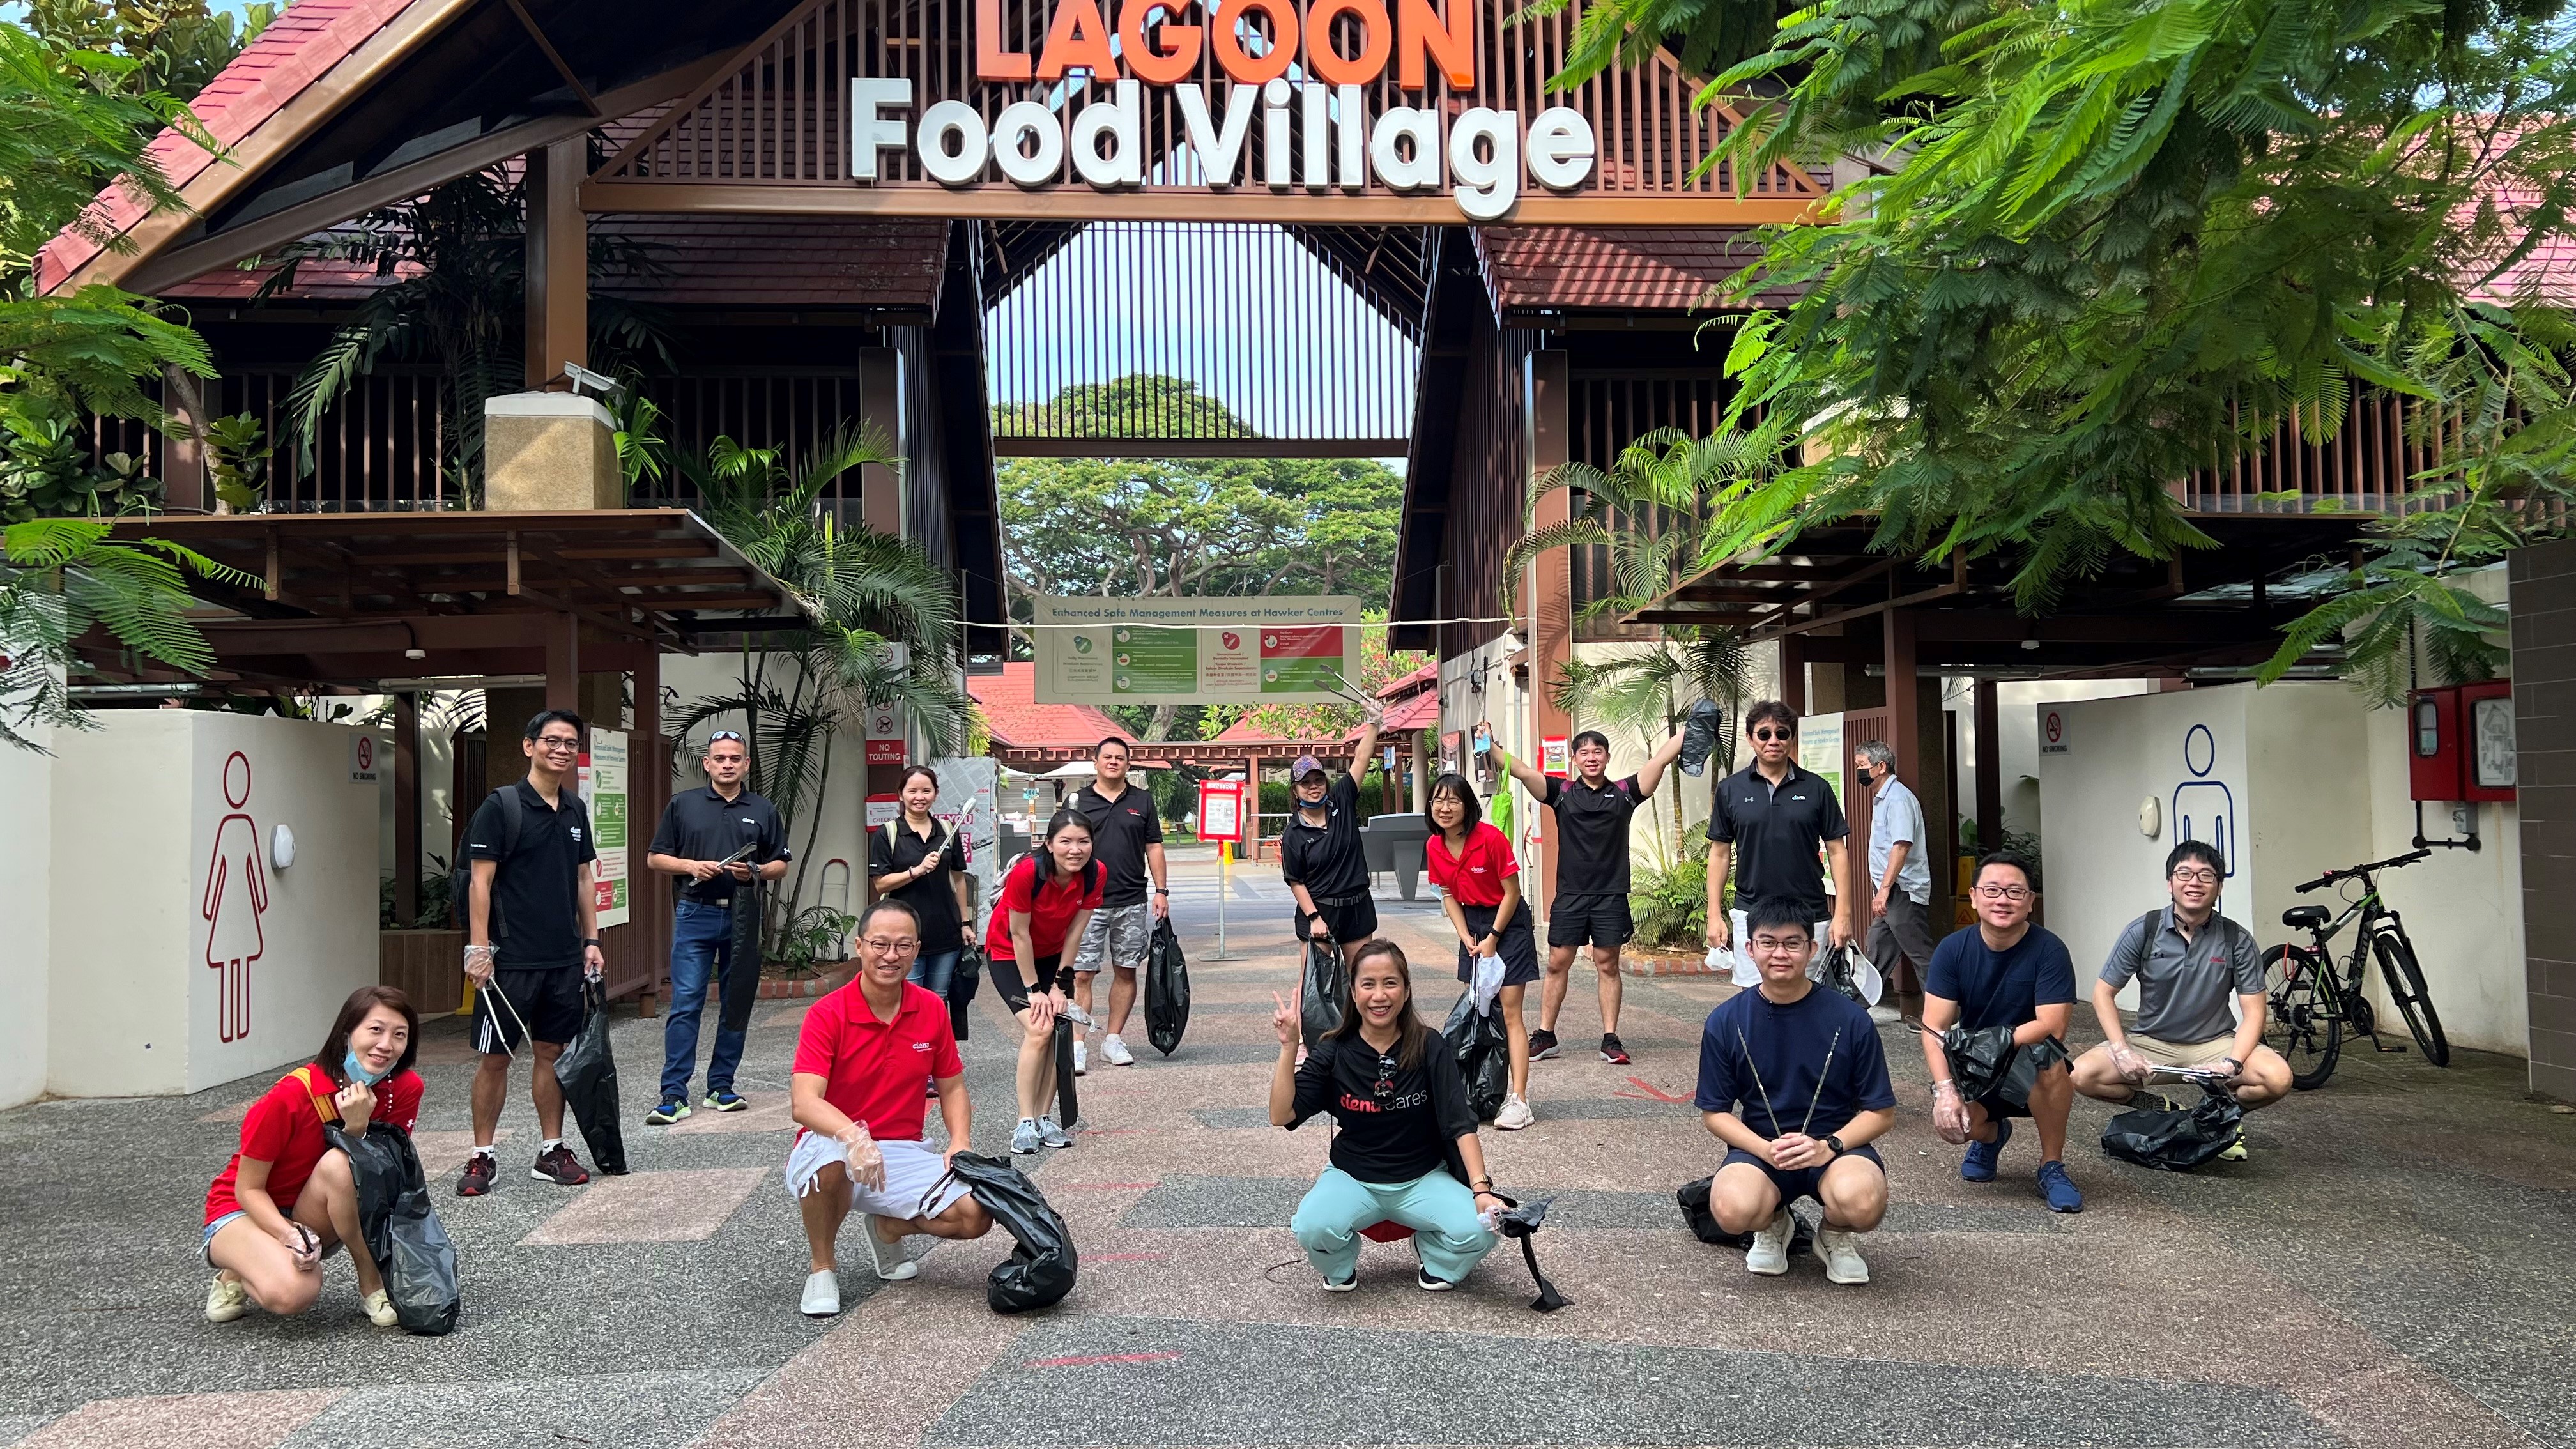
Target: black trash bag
[(2176, 1141), (588, 1074), (1484, 1054), (741, 985), (963, 983), (1979, 1060), (1702, 733), (410, 1245), (1522, 1222), (1167, 990), (1040, 1270), (1068, 1105), (1327, 987), (1693, 1197)]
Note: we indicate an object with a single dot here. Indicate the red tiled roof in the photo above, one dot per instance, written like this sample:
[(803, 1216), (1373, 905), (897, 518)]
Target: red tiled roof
[(1405, 683), (305, 41), (1017, 720), (1623, 269), (1422, 712)]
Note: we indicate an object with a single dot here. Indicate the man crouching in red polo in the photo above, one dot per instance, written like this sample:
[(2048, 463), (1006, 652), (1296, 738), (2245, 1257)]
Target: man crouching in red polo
[(861, 1060)]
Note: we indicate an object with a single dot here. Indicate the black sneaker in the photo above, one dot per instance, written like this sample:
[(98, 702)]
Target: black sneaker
[(1542, 1044), (1613, 1053), (558, 1166), (476, 1180), (1423, 1280)]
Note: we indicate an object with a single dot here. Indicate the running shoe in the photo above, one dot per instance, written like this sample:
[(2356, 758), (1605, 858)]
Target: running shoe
[(890, 1260), (558, 1166), (1542, 1045), (822, 1296), (226, 1299), (1769, 1255), (1516, 1114), (1081, 1057), (2234, 1151), (1423, 1280), (380, 1309), (2062, 1196), (1611, 1052), (1344, 1286), (666, 1114), (1979, 1164), (476, 1180), (1052, 1133), (1841, 1252), (1115, 1053), (1024, 1138), (727, 1100)]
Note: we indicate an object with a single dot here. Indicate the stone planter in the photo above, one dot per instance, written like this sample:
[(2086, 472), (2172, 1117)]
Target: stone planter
[(832, 978), (428, 967)]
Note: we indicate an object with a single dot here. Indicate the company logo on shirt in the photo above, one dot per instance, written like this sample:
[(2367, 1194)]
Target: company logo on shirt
[(921, 1046), (576, 832)]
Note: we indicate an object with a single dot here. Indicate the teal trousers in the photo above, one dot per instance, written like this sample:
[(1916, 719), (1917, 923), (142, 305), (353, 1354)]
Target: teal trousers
[(1438, 1207)]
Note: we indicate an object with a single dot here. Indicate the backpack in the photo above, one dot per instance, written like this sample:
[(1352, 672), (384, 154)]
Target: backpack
[(460, 876)]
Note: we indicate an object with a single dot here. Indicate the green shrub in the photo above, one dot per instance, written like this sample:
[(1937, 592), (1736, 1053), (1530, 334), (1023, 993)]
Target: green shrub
[(1670, 907)]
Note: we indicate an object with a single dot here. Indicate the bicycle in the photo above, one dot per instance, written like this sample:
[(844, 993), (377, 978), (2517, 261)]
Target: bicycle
[(2310, 1007)]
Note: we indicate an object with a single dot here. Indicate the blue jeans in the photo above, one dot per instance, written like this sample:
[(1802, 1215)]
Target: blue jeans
[(701, 947), (935, 974)]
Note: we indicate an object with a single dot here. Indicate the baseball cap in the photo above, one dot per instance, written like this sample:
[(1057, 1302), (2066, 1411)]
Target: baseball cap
[(1306, 765)]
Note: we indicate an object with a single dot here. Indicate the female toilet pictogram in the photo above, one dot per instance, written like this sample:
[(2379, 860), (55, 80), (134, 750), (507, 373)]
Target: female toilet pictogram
[(236, 897)]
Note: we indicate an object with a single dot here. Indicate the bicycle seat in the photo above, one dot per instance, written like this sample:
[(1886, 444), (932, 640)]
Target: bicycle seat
[(2304, 918)]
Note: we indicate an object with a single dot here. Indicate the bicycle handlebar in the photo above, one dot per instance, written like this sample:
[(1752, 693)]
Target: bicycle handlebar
[(2350, 871)]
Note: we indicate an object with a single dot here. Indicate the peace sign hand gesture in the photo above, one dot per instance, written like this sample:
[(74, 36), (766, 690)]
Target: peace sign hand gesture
[(1285, 1021)]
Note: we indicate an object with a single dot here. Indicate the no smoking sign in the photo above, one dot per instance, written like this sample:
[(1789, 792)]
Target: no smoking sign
[(2052, 732)]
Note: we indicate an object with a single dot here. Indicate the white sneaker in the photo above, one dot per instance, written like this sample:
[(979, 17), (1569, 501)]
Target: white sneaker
[(1115, 1053), (822, 1296), (1516, 1114), (1081, 1057), (226, 1299), (1841, 1252), (1024, 1138), (1769, 1255), (1052, 1133), (892, 1263), (380, 1309)]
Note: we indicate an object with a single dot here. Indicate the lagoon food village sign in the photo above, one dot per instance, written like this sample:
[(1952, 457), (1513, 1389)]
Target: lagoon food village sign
[(1322, 111)]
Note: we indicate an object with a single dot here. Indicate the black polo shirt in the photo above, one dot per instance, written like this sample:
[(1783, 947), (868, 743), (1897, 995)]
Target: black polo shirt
[(703, 825), (933, 898), (1326, 859), (1776, 834), (1120, 831), (537, 885), (1592, 851)]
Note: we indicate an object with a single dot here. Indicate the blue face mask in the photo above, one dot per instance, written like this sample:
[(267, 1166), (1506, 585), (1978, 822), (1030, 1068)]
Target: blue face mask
[(358, 1072)]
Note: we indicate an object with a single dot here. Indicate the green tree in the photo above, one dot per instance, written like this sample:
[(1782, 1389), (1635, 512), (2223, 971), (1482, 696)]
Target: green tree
[(176, 46), (2111, 241)]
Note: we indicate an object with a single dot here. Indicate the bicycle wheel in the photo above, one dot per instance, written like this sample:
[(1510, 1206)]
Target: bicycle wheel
[(2406, 991), (2303, 1020)]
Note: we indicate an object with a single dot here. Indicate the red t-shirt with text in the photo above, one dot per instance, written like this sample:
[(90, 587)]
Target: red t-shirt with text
[(1474, 876), (1050, 908), (874, 1070), (284, 1130)]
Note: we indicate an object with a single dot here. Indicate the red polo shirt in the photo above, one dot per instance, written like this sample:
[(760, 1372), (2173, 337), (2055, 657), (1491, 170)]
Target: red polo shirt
[(284, 1130), (874, 1070), (1050, 908), (1474, 876)]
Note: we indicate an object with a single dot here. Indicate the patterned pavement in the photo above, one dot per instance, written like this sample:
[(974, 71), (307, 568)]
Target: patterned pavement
[(2392, 1267)]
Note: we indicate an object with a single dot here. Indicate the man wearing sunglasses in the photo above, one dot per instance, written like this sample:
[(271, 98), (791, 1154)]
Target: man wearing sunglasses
[(1768, 821), (700, 833), (532, 936)]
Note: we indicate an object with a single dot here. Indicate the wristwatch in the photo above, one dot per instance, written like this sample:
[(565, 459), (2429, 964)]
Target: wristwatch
[(590, 940), (1162, 890), (1836, 1144)]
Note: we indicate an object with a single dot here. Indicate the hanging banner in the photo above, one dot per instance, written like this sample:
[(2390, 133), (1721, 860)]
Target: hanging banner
[(1286, 650), (603, 788)]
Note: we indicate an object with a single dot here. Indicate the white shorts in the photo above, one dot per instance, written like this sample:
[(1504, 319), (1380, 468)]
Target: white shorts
[(1117, 936), (917, 1180)]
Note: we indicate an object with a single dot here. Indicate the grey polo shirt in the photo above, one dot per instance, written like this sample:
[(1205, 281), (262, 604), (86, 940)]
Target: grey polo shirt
[(2186, 989), (1894, 815)]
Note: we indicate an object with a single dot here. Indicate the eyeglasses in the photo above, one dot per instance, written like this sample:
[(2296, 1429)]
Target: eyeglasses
[(2196, 877), (559, 744), (2004, 893), (892, 946), (1779, 943), (1769, 735)]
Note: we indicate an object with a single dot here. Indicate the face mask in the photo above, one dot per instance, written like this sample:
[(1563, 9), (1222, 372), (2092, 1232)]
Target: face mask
[(358, 1072)]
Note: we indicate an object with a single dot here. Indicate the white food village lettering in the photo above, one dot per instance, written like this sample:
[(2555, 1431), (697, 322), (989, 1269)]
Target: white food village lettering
[(1316, 133)]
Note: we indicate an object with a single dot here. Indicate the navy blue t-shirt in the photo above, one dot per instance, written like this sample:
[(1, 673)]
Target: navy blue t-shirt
[(2000, 988), (1786, 1046)]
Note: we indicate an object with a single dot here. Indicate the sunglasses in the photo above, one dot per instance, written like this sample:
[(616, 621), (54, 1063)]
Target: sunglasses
[(733, 735), (1767, 735)]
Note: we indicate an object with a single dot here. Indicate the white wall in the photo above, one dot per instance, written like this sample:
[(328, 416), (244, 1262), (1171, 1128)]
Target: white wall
[(2017, 720), (26, 900), (142, 815), (833, 828)]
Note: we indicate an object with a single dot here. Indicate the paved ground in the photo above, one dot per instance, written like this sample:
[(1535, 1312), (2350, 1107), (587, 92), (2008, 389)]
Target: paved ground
[(2395, 1266)]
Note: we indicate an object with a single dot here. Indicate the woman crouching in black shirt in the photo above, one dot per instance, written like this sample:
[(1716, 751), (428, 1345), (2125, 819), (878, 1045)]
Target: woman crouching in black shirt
[(1406, 1151)]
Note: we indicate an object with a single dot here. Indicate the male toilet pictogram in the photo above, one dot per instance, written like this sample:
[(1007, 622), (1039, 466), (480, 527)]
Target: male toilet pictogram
[(236, 897)]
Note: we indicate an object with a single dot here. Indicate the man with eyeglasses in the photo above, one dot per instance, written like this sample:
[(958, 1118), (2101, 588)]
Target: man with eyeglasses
[(2005, 973), (700, 834), (2188, 961), (1769, 820), (861, 1058), (531, 938)]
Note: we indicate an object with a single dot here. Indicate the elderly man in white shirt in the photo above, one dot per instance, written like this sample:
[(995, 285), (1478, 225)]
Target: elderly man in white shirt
[(1900, 874)]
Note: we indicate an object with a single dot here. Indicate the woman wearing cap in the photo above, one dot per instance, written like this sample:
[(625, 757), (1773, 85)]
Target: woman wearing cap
[(1406, 1149), (1320, 855), (1480, 887)]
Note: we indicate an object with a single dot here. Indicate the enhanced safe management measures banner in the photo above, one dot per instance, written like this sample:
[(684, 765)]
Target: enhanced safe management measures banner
[(1277, 650)]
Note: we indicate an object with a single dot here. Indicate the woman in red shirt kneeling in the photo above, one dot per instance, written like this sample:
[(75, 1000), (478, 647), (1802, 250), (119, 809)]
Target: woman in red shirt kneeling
[(287, 1199), (1047, 900), (1480, 887)]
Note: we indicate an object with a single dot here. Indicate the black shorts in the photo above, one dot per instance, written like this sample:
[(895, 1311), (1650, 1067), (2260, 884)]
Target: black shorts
[(1517, 948), (546, 1001), (1590, 920), (1804, 1181), (1015, 992), (1351, 922)]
